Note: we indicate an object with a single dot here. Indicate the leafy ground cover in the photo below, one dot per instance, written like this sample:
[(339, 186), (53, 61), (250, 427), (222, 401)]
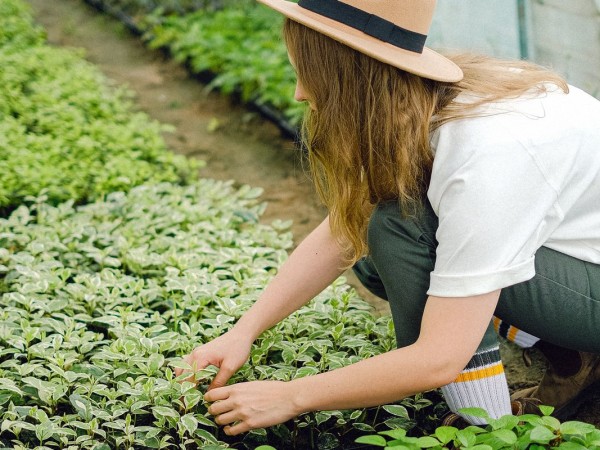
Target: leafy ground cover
[(64, 129), (139, 8), (99, 303)]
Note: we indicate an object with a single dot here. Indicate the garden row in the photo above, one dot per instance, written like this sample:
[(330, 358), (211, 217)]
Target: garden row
[(64, 130), (116, 260), (233, 45)]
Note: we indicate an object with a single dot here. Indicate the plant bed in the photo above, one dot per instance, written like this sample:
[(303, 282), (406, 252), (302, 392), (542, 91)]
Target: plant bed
[(65, 130), (99, 303)]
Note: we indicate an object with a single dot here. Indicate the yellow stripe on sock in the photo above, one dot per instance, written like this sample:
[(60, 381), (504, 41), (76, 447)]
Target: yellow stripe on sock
[(478, 374), (512, 333), (497, 323)]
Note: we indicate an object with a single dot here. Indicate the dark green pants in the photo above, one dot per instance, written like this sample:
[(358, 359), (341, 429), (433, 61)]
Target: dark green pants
[(561, 304)]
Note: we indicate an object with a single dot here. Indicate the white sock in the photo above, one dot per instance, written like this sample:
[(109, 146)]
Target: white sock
[(482, 384)]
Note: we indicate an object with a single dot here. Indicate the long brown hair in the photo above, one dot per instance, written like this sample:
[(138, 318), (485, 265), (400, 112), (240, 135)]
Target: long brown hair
[(368, 138)]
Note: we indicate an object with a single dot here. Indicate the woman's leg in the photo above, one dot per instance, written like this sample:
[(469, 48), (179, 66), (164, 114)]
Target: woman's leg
[(563, 309), (560, 305), (401, 259)]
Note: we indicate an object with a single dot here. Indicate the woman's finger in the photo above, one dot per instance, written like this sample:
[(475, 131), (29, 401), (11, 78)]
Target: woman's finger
[(236, 428), (227, 418), (221, 378), (220, 407), (216, 394)]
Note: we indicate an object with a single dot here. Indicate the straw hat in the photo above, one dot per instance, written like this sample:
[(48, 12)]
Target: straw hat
[(392, 31)]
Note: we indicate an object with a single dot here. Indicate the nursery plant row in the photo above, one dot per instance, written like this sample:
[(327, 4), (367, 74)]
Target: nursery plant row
[(116, 260), (234, 46), (64, 129)]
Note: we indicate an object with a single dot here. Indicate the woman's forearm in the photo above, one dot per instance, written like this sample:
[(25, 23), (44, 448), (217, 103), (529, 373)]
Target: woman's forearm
[(311, 267), (374, 381)]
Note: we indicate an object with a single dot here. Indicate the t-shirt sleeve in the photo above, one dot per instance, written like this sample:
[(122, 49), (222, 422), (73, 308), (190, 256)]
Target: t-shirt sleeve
[(493, 203)]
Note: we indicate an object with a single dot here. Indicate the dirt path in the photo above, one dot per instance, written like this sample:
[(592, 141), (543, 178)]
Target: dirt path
[(235, 143)]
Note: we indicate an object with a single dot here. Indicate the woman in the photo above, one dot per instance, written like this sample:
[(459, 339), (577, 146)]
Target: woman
[(459, 189)]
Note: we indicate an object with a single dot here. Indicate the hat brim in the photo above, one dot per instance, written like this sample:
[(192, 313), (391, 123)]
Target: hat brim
[(428, 64)]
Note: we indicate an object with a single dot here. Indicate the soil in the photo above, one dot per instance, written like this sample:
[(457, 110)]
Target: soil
[(236, 142)]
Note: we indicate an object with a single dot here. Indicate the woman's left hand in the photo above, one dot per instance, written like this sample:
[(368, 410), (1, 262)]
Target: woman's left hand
[(256, 404)]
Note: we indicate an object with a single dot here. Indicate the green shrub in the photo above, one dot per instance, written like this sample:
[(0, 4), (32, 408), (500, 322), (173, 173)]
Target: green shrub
[(64, 130), (241, 45), (99, 302)]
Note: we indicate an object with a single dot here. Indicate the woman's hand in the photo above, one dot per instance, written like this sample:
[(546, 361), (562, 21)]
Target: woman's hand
[(256, 404), (227, 352)]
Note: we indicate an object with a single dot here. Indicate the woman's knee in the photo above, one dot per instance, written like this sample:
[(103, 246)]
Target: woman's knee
[(561, 304)]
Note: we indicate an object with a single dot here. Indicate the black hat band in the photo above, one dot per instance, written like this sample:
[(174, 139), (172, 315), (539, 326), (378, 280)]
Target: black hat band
[(368, 23)]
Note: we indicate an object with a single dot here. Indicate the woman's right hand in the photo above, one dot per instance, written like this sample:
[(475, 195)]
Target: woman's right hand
[(228, 352)]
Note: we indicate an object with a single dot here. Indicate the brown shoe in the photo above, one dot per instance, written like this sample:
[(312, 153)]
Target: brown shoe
[(564, 385), (455, 420)]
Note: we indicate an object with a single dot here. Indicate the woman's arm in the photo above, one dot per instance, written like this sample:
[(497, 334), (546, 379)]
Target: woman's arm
[(451, 330), (315, 263)]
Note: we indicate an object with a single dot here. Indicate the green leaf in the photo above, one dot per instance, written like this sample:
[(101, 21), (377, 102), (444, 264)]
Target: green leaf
[(575, 427), (551, 422), (541, 434), (396, 410), (206, 436), (9, 385), (466, 437), (180, 364), (363, 427), (394, 434), (373, 439), (427, 442), (82, 406), (505, 422), (190, 423), (546, 410), (506, 436), (163, 411), (445, 434), (475, 412)]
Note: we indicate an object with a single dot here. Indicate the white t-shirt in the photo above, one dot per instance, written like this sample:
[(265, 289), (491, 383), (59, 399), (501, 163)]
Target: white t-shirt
[(523, 175)]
